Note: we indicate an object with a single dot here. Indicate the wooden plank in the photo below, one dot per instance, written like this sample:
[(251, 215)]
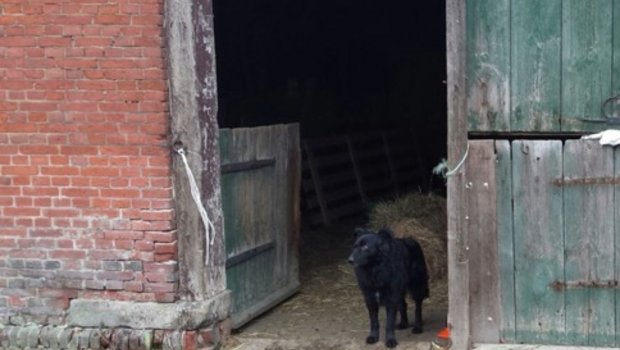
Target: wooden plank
[(617, 239), (390, 161), (293, 202), (249, 254), (239, 319), (482, 228), (356, 170), (586, 62), (533, 347), (535, 65), (538, 241), (247, 165), (338, 178), (318, 186), (588, 230), (340, 194), (366, 137), (503, 181), (458, 269), (323, 161), (324, 142), (488, 64), (615, 76), (349, 209)]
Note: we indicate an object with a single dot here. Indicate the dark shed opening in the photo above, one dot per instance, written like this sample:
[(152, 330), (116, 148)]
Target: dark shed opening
[(339, 68)]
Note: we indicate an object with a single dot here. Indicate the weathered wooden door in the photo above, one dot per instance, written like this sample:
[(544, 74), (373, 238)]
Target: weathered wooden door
[(260, 200), (559, 248), (541, 65)]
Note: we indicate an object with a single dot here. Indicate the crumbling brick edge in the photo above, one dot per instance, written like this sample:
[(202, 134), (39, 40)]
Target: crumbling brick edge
[(65, 337)]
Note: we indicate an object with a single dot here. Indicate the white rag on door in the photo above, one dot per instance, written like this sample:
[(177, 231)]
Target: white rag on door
[(609, 137)]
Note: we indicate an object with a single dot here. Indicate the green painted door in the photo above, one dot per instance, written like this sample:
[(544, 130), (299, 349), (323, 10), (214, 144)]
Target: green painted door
[(558, 247), (541, 65), (260, 200)]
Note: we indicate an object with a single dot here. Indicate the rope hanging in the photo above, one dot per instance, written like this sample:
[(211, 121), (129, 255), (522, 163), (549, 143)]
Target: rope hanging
[(442, 167), (207, 223)]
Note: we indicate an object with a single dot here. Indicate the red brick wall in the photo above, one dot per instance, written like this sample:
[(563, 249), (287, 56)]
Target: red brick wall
[(85, 186)]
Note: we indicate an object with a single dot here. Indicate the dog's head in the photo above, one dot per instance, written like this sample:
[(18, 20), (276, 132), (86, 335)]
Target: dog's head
[(368, 246)]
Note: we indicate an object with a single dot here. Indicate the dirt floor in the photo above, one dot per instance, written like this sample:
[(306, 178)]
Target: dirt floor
[(329, 312)]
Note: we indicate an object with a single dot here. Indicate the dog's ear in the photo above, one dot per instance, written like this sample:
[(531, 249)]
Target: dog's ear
[(386, 237), (358, 232), (385, 234)]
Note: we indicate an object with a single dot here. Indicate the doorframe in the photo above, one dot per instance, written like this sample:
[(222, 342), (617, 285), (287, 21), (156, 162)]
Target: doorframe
[(190, 43), (458, 264)]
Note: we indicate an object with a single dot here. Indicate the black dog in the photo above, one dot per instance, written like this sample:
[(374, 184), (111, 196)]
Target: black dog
[(386, 268)]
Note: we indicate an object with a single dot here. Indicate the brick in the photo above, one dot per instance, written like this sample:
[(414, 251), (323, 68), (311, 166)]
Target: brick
[(126, 244), (8, 243), (94, 284), (119, 193), (166, 248), (144, 245), (59, 171), (159, 287), (21, 212), (20, 170), (52, 265), (67, 254)]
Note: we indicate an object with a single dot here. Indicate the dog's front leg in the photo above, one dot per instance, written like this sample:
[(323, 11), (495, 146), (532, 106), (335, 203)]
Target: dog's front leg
[(373, 313), (417, 323), (404, 321), (390, 337)]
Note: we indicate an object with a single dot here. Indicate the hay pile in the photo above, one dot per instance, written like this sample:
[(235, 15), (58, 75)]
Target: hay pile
[(423, 217)]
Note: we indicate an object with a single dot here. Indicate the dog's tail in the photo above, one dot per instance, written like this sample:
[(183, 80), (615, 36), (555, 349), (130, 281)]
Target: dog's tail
[(418, 272)]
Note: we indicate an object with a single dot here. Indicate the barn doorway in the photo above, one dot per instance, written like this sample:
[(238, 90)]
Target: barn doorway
[(364, 81)]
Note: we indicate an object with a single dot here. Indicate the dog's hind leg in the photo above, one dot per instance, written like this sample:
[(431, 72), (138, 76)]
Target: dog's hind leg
[(390, 337), (418, 326), (404, 320), (373, 313)]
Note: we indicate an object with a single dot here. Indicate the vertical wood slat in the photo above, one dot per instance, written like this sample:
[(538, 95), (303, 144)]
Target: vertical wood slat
[(293, 201), (588, 231), (482, 228), (586, 61), (488, 65), (458, 270), (538, 240), (505, 240), (616, 241), (615, 73), (536, 36)]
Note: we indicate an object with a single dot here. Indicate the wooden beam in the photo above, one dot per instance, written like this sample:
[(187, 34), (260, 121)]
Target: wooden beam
[(458, 262), (193, 107), (482, 228), (533, 347)]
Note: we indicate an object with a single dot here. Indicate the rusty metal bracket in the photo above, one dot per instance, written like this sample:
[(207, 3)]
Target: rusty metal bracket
[(560, 286)]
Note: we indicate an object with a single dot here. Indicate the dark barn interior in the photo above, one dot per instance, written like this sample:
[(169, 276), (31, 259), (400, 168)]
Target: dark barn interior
[(334, 66), (338, 67)]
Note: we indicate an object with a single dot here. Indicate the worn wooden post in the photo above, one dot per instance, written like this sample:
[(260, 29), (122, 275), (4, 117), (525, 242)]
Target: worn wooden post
[(193, 109), (458, 265)]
